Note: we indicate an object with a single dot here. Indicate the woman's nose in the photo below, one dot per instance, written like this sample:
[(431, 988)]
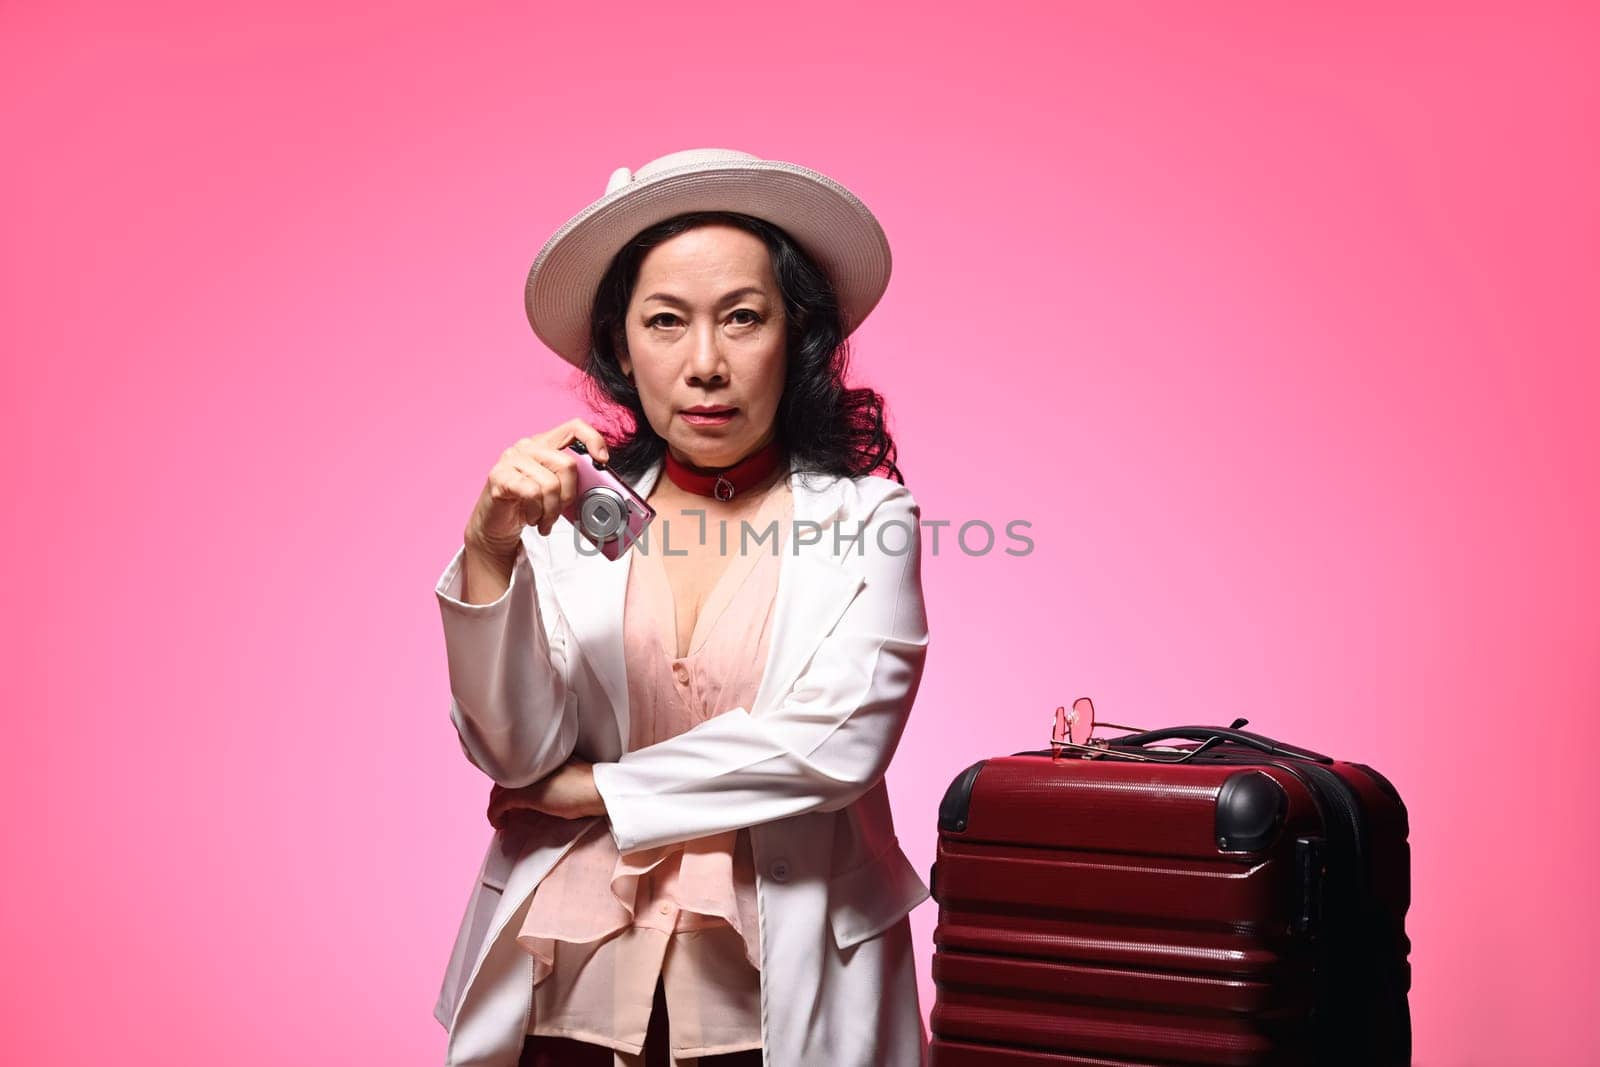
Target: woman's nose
[(705, 359)]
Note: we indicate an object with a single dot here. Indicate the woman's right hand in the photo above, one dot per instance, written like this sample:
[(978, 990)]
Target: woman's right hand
[(531, 484)]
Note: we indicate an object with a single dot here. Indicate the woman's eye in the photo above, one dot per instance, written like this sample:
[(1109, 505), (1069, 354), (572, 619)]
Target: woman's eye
[(754, 318), (662, 315)]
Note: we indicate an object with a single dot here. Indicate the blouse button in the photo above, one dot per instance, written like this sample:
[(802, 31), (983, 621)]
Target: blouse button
[(680, 672), (665, 908)]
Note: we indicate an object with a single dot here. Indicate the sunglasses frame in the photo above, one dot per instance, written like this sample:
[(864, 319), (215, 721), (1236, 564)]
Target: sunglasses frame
[(1101, 748)]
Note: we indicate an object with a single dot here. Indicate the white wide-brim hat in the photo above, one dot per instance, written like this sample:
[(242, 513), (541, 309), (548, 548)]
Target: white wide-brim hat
[(828, 221)]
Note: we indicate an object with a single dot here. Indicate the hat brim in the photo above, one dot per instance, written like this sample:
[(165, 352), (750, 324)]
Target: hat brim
[(825, 219)]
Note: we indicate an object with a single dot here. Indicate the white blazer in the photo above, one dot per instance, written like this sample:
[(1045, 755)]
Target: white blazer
[(539, 675)]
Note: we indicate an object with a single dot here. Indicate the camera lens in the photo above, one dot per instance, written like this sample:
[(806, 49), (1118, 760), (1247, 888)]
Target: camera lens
[(602, 514)]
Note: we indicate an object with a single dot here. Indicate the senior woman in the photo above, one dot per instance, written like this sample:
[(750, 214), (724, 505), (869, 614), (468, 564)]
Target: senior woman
[(694, 859)]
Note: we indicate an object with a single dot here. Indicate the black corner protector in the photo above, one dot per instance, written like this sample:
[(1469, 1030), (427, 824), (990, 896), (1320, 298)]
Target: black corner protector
[(953, 809), (1382, 783), (1251, 807)]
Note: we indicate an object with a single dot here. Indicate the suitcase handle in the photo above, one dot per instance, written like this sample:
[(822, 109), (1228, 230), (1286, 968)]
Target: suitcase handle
[(1217, 734)]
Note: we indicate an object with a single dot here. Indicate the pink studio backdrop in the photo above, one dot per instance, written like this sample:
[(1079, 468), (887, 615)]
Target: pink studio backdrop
[(1278, 325)]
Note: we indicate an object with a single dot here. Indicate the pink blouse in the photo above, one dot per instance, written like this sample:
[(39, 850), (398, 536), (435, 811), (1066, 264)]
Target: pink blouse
[(602, 926)]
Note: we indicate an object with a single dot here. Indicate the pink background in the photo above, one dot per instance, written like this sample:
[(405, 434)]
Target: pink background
[(1280, 327)]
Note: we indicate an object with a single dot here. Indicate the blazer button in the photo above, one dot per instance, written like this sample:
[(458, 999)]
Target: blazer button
[(779, 870), (680, 672)]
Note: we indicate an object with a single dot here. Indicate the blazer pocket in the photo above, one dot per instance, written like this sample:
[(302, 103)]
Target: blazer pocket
[(866, 900)]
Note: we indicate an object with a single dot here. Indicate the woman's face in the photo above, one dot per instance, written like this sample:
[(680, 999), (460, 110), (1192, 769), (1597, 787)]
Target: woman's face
[(705, 327)]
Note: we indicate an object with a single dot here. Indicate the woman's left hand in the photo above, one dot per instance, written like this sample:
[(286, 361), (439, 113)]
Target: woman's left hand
[(566, 793)]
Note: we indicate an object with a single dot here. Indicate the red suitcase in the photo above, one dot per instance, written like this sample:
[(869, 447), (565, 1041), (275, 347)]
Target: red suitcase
[(1246, 906)]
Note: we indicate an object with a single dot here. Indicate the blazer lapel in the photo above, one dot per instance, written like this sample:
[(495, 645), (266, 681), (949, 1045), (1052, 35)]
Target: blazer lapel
[(814, 588), (591, 591)]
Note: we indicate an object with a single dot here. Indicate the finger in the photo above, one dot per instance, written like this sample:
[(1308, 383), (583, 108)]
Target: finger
[(523, 490), (597, 445), (504, 813), (564, 465), (541, 493), (577, 429), (513, 816), (592, 439), (551, 499), (533, 456), (512, 479)]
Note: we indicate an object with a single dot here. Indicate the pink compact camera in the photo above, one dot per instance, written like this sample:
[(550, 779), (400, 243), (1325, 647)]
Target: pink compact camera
[(606, 510)]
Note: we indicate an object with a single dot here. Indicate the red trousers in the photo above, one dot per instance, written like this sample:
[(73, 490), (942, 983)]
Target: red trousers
[(545, 1050)]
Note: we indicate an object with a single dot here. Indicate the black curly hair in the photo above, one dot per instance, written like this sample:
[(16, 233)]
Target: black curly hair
[(825, 427)]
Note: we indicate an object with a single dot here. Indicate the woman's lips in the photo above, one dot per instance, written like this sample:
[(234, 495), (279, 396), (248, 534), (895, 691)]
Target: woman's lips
[(708, 418)]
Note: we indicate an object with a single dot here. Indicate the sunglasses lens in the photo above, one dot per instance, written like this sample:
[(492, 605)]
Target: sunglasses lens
[(1080, 721)]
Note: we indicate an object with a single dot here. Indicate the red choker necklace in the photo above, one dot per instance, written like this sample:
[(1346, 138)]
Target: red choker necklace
[(723, 484)]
